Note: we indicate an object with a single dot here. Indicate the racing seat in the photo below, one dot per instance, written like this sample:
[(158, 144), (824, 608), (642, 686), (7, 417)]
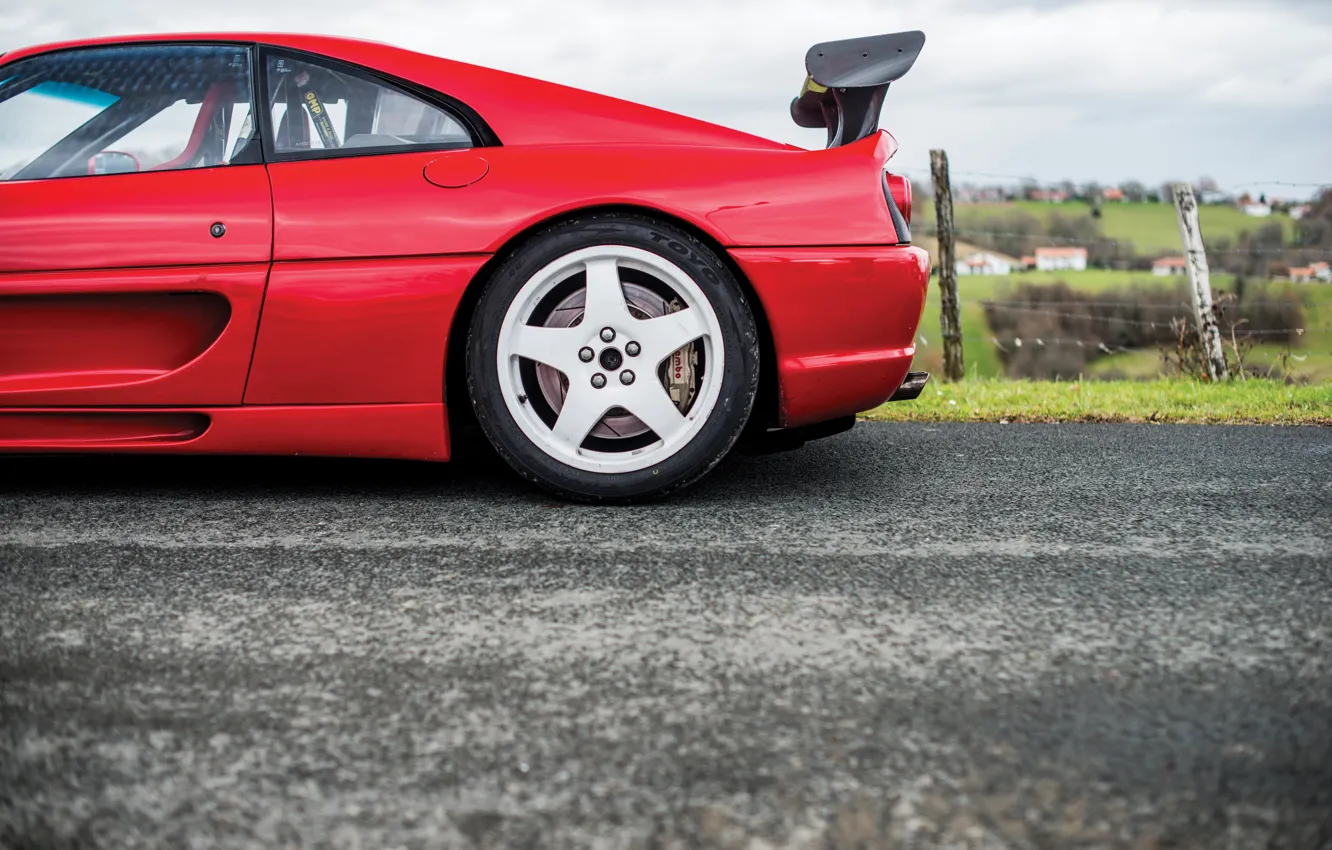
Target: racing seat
[(293, 130), (213, 101)]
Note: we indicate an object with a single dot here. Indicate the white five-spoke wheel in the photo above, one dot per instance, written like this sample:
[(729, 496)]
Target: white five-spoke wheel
[(613, 358), (605, 384)]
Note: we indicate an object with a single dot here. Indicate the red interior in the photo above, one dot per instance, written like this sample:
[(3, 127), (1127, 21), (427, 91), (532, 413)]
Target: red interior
[(207, 109)]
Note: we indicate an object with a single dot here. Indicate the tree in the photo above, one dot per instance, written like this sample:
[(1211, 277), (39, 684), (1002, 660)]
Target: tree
[(1133, 191), (1264, 248), (1014, 233), (1315, 229)]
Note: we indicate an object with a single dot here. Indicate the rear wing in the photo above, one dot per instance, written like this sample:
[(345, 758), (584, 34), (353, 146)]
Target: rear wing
[(847, 81)]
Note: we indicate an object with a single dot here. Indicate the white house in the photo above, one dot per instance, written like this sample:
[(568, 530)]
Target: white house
[(1061, 259), (1168, 266), (1322, 271), (986, 262), (1257, 210)]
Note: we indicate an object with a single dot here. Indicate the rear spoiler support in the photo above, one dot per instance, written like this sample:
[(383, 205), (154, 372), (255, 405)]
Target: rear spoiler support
[(848, 80)]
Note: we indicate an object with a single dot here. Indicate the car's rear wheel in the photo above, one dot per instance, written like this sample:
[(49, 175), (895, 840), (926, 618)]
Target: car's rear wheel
[(613, 358)]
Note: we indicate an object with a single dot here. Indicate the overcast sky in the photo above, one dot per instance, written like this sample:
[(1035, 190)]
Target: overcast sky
[(1107, 90)]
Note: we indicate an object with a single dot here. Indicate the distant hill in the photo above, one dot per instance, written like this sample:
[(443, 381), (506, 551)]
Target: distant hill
[(1150, 227)]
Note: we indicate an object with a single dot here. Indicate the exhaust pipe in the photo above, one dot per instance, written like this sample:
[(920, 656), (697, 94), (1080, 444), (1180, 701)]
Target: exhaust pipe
[(912, 387)]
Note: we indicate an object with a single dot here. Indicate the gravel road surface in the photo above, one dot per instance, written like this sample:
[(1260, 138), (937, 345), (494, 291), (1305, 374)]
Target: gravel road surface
[(905, 636)]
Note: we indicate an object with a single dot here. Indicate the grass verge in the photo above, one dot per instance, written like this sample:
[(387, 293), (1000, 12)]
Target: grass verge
[(1253, 402)]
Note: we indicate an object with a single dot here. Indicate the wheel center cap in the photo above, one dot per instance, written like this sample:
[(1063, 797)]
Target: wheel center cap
[(611, 359)]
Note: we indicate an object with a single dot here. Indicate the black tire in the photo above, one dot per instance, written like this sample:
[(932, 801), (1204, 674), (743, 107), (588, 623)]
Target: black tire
[(740, 374)]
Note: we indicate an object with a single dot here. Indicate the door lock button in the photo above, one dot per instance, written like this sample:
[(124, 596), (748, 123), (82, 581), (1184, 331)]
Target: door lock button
[(218, 230)]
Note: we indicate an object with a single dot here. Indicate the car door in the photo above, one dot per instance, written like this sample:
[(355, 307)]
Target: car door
[(135, 226), (367, 269)]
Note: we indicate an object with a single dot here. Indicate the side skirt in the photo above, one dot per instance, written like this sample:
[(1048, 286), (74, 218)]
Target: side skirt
[(403, 431)]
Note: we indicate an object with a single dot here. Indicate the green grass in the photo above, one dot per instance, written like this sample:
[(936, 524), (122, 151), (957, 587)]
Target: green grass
[(1305, 364), (1152, 228), (982, 360), (1254, 402)]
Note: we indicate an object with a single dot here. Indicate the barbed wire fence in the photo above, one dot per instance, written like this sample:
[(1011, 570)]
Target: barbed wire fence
[(966, 234), (1030, 179), (1149, 317), (1103, 344)]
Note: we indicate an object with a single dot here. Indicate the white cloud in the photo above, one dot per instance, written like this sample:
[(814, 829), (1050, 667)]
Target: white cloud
[(1103, 89)]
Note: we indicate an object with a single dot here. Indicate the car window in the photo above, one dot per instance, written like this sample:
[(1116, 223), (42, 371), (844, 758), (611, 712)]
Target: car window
[(126, 109), (158, 140), (325, 106), (36, 119)]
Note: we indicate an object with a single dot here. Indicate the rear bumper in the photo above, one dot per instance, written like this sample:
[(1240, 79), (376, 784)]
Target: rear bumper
[(843, 322)]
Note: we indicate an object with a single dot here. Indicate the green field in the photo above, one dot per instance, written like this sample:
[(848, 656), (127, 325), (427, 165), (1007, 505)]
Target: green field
[(1151, 228), (1254, 402), (1310, 360)]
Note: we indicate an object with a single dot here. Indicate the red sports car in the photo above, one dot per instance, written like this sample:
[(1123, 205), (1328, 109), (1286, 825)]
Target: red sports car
[(288, 244)]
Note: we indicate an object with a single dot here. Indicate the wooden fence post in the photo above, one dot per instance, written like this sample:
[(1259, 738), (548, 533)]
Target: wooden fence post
[(1200, 284), (949, 323)]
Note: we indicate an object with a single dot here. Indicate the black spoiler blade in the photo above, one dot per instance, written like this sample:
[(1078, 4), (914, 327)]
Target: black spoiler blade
[(847, 81)]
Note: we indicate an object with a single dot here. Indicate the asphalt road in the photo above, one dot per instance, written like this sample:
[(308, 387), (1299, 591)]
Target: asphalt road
[(906, 636)]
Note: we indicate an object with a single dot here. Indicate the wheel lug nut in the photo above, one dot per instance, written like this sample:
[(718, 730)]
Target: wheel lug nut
[(632, 349), (607, 334), (626, 377), (586, 354), (598, 380)]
